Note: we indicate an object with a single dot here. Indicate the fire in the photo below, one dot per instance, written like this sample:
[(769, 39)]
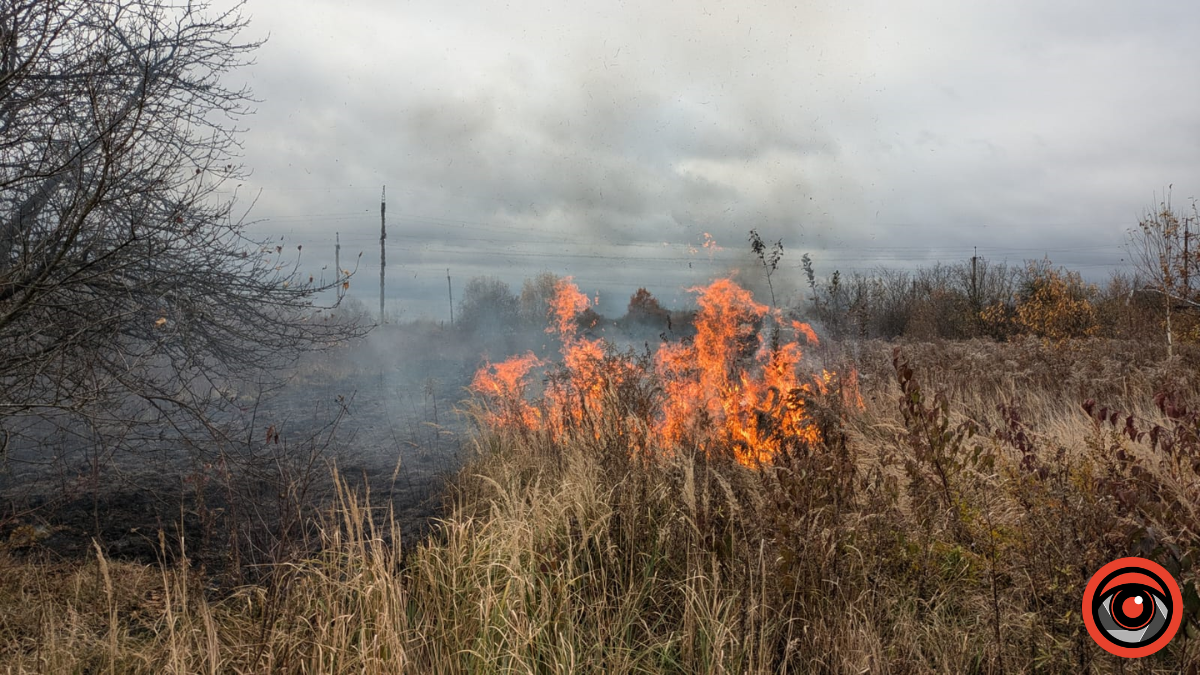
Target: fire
[(578, 390), (504, 383), (732, 378), (736, 385), (807, 331), (566, 305), (709, 244)]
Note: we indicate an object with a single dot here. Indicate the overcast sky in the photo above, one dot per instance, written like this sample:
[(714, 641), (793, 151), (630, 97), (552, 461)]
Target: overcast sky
[(603, 139)]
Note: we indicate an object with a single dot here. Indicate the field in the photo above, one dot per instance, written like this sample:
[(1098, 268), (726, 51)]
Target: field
[(249, 424), (745, 501)]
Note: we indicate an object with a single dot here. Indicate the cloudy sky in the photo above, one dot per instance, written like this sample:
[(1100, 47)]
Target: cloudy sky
[(603, 139)]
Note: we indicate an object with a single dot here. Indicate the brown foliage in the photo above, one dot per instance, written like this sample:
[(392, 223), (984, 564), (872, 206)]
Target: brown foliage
[(1054, 304)]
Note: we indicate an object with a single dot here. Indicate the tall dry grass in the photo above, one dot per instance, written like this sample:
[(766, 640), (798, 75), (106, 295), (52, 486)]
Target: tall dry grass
[(949, 526)]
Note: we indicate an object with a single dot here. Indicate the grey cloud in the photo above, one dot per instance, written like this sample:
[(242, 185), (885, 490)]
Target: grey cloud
[(527, 137)]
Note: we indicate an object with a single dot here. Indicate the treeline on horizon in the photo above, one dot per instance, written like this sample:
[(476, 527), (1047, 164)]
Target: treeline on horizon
[(1153, 298), (977, 298)]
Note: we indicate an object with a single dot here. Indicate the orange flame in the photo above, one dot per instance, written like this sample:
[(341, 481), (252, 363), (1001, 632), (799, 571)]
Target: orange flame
[(568, 302), (731, 378), (709, 244), (504, 383), (851, 395), (729, 387), (807, 331)]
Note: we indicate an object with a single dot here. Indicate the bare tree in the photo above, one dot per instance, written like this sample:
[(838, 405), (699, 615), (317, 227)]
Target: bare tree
[(1167, 258), (768, 259), (534, 302), (125, 274), (488, 307)]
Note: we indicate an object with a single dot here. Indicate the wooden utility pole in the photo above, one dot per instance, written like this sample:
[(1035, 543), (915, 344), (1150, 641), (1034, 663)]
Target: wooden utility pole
[(1170, 278), (450, 289), (337, 263), (1187, 282), (974, 281), (382, 249), (976, 305)]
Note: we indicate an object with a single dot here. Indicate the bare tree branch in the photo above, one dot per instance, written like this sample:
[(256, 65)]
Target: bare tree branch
[(124, 275)]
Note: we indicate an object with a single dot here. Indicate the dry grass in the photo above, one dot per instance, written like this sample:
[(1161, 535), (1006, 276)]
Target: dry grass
[(894, 546)]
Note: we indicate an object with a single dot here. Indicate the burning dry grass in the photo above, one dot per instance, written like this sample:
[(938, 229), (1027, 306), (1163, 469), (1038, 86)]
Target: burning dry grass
[(948, 526), (736, 387)]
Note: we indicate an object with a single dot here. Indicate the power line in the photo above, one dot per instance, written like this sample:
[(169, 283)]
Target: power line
[(513, 248), (382, 248), (462, 222), (659, 245)]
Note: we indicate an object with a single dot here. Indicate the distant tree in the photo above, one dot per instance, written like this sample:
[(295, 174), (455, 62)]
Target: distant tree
[(645, 309), (863, 293), (941, 308), (487, 307), (998, 320), (1055, 303), (589, 319), (838, 306), (981, 285), (125, 274), (1167, 262), (1126, 313), (895, 300), (534, 303)]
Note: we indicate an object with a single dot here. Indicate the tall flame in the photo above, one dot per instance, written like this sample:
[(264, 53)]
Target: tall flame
[(579, 389), (732, 378)]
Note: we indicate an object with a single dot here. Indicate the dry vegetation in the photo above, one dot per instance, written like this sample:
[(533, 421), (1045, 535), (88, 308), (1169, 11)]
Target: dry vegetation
[(948, 524)]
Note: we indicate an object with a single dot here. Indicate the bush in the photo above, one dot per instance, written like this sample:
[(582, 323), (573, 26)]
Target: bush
[(1054, 304), (644, 309), (534, 303), (487, 307)]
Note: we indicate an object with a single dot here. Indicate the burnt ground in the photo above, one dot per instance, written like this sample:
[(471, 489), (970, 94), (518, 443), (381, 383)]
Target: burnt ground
[(386, 412)]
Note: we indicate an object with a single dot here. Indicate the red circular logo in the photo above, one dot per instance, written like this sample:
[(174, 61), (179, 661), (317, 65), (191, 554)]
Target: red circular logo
[(1132, 607)]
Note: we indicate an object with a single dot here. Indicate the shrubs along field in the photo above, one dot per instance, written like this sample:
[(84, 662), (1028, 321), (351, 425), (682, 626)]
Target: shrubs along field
[(747, 501)]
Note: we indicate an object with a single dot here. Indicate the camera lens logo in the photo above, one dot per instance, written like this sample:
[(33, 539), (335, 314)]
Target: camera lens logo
[(1132, 607)]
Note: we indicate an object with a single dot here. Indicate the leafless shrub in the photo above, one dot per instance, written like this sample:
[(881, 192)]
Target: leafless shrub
[(130, 295)]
